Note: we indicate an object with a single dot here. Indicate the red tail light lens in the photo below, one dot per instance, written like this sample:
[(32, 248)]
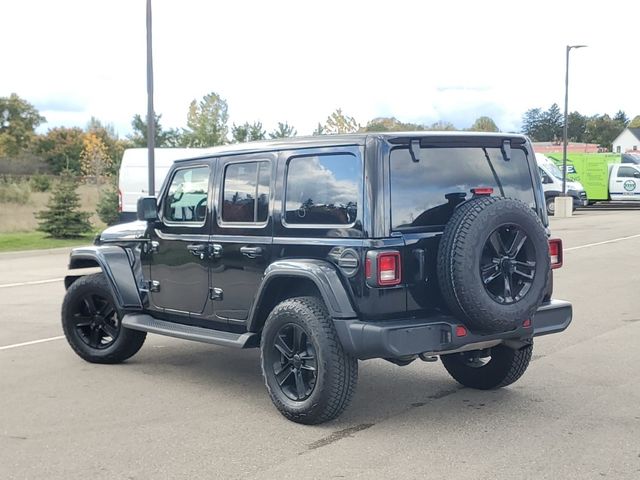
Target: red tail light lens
[(119, 200), (389, 268), (555, 252), (482, 190), (367, 268), (461, 331)]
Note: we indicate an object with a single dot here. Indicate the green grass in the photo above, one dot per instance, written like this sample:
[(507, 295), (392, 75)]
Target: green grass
[(36, 240)]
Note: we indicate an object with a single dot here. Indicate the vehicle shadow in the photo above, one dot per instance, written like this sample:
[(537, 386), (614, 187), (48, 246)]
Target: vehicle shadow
[(384, 390)]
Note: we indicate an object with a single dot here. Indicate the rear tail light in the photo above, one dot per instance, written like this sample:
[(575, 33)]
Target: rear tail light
[(555, 252), (383, 268), (119, 200), (461, 331), (389, 268), (482, 190)]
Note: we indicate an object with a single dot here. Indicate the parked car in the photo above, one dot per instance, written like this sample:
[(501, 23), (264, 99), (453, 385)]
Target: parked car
[(551, 177), (327, 250)]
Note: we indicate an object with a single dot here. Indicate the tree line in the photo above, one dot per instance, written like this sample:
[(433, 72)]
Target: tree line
[(97, 149), (601, 129)]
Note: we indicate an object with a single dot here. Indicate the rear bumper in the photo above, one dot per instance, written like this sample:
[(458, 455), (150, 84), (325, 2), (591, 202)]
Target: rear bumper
[(436, 335)]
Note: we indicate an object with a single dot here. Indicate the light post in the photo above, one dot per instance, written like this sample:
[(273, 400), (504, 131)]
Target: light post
[(151, 119), (566, 121)]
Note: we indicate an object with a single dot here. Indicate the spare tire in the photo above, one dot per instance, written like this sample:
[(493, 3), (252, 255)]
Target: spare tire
[(493, 263)]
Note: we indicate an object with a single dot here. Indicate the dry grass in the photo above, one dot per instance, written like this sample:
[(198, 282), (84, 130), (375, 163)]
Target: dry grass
[(21, 217)]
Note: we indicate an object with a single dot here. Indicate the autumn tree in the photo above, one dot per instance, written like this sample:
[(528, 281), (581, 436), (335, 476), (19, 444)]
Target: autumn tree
[(247, 132), (115, 146), (390, 124), (62, 148), (94, 160), (484, 124), (284, 130), (18, 122), (207, 122), (635, 123), (338, 122)]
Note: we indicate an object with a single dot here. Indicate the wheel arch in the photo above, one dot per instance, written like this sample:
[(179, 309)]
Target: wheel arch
[(115, 263), (289, 278)]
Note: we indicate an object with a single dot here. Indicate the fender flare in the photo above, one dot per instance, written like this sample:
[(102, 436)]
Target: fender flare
[(320, 272), (116, 266)]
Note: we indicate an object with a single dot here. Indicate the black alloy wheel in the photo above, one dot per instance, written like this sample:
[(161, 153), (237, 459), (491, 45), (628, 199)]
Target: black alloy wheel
[(95, 320), (507, 265), (294, 362)]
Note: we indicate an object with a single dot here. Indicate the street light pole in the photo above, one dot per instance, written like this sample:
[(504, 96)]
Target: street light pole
[(151, 119), (566, 121)]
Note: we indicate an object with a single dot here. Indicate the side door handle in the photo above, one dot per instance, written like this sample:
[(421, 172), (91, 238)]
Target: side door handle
[(251, 252), (197, 249)]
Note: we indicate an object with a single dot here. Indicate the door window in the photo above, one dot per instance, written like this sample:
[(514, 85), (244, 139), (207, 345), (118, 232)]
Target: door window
[(246, 192), (628, 172), (186, 200)]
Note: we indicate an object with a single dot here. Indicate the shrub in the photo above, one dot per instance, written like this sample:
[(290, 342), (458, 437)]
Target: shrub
[(40, 183), (15, 192), (62, 218), (108, 206)]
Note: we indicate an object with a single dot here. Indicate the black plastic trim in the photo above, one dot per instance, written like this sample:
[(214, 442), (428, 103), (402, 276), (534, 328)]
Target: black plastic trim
[(436, 335), (322, 273), (115, 264)]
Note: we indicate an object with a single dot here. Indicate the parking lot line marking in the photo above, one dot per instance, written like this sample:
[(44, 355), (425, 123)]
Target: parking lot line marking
[(33, 282), (33, 342), (613, 240)]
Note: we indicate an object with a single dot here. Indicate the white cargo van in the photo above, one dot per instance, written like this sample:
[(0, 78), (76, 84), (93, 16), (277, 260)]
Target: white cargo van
[(551, 177), (133, 178)]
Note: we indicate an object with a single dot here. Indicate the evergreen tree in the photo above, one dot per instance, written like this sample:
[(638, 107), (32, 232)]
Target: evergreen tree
[(62, 218)]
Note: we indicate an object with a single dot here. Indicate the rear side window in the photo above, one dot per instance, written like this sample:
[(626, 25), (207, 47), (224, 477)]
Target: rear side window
[(628, 172), (323, 189), (186, 199), (246, 192), (425, 193)]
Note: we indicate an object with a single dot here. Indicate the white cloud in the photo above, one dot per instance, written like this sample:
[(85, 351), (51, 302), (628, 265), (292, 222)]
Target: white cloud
[(296, 61)]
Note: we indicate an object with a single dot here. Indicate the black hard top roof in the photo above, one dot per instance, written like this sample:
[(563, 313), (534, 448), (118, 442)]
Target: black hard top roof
[(350, 139)]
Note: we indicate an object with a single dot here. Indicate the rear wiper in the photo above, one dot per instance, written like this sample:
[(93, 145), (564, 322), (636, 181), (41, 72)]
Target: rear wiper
[(493, 170)]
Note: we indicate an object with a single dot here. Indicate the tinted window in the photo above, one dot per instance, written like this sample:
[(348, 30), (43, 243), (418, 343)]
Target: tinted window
[(246, 192), (323, 189), (425, 193), (186, 199), (628, 172)]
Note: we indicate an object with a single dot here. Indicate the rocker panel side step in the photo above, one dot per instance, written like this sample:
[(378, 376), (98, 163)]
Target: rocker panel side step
[(147, 323)]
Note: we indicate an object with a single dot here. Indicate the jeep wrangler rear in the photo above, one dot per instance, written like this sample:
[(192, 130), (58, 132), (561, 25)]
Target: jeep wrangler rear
[(323, 251)]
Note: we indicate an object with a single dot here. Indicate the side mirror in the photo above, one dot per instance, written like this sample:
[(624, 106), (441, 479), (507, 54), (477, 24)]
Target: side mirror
[(148, 209)]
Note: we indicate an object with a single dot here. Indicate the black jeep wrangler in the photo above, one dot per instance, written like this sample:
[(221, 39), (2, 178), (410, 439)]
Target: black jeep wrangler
[(323, 251)]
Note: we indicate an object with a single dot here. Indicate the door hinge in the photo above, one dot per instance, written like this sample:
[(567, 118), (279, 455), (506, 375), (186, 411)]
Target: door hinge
[(215, 293)]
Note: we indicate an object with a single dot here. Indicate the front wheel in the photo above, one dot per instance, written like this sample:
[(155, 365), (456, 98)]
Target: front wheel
[(551, 206), (498, 367), (310, 378), (92, 325)]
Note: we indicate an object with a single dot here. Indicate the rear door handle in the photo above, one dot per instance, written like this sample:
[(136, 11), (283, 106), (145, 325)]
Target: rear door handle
[(251, 252)]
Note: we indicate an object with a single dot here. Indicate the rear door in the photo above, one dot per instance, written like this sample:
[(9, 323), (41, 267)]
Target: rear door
[(425, 193), (242, 234), (624, 182)]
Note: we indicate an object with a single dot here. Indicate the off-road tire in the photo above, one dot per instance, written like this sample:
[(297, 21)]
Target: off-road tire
[(459, 256), (337, 371), (126, 344), (505, 367)]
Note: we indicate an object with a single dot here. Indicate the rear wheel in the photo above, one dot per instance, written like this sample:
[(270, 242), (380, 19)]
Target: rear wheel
[(309, 377), (92, 324), (494, 368)]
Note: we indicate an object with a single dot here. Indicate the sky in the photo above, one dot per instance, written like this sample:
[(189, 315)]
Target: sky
[(297, 61)]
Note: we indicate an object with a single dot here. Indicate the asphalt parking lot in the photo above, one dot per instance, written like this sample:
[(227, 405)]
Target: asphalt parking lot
[(188, 410)]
